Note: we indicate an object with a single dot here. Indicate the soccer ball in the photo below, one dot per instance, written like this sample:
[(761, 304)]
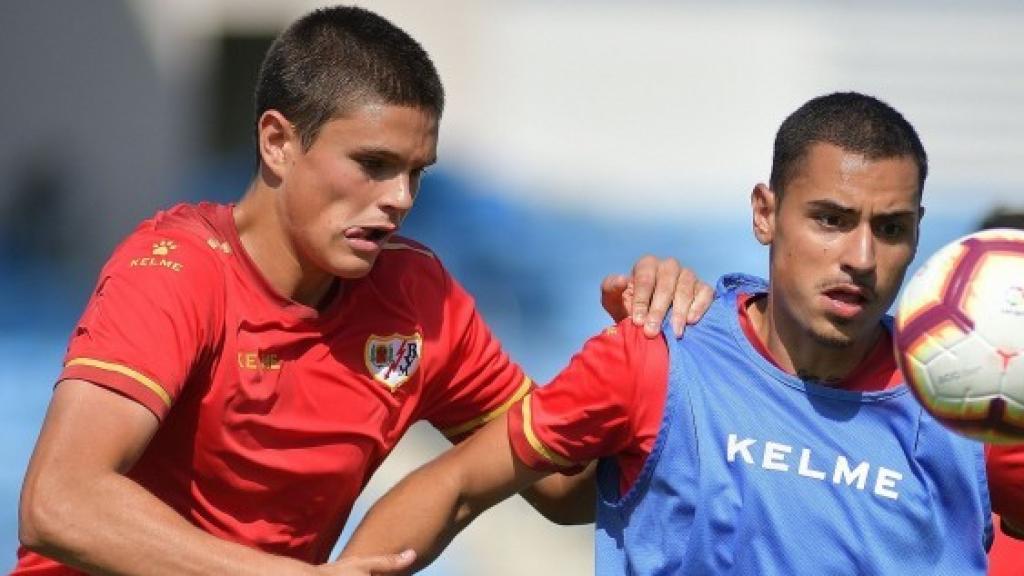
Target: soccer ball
[(960, 335)]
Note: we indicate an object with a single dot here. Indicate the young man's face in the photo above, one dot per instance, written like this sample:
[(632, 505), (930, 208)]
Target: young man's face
[(841, 237), (344, 197)]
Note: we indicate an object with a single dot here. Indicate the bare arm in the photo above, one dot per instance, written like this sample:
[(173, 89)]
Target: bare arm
[(565, 500), (79, 508), (428, 508)]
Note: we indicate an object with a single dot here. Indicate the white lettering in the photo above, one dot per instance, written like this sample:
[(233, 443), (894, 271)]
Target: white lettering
[(805, 466), (845, 474), (741, 447), (885, 483), (774, 456)]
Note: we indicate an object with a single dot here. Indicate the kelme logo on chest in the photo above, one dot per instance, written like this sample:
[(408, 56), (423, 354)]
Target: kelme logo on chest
[(393, 359)]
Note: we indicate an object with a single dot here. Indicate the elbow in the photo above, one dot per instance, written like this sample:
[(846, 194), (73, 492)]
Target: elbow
[(37, 524), (42, 521)]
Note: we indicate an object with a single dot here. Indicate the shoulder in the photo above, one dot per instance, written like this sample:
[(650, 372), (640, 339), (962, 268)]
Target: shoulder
[(737, 283), (179, 246)]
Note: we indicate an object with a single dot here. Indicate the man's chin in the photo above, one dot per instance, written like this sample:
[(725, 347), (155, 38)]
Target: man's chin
[(833, 340), (841, 333), (353, 267)]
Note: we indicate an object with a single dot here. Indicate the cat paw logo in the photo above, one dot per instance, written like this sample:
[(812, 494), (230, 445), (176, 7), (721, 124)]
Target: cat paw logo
[(160, 250), (393, 359), (163, 247)]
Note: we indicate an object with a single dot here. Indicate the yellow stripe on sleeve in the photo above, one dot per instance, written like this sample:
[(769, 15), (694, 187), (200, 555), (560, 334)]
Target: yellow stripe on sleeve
[(535, 442), (124, 371), (461, 429)]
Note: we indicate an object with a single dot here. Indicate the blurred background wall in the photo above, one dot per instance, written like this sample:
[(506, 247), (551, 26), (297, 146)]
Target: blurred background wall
[(578, 135)]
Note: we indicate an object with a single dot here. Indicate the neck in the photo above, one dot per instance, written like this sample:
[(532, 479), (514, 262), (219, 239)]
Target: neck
[(799, 352), (263, 235)]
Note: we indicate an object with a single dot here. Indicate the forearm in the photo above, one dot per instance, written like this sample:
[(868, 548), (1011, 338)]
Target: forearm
[(108, 524), (424, 512), (427, 509)]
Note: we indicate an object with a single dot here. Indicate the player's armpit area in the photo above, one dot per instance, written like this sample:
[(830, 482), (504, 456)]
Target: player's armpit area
[(566, 500), (1011, 529), (1005, 468)]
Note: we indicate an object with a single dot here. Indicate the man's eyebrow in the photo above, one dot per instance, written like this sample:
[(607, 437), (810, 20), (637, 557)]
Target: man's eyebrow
[(831, 205), (386, 154), (897, 213), (373, 151), (834, 206)]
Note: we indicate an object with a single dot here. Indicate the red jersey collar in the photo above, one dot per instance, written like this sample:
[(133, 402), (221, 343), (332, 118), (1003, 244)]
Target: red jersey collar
[(878, 371)]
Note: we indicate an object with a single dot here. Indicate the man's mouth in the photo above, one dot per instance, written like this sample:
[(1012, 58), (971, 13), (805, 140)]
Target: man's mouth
[(368, 238), (848, 296), (846, 301)]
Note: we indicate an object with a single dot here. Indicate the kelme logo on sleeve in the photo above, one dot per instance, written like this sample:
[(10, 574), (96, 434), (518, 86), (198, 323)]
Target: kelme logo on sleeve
[(393, 359), (160, 250)]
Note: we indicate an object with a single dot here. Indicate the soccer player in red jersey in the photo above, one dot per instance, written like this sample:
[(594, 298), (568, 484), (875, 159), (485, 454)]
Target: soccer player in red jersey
[(734, 437), (240, 371)]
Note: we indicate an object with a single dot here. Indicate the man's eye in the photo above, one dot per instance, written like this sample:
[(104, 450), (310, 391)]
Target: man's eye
[(371, 164), (373, 167), (829, 220), (892, 229)]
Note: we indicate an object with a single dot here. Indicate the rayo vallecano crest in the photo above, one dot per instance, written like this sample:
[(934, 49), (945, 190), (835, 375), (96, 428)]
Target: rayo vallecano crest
[(393, 359)]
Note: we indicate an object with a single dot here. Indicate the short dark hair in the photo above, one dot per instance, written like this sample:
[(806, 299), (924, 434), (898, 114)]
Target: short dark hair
[(1003, 217), (852, 121), (334, 59)]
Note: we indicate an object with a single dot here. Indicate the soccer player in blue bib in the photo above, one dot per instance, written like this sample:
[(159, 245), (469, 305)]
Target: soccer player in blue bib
[(777, 437)]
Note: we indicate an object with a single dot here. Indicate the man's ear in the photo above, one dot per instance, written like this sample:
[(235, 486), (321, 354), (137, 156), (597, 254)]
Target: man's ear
[(277, 141), (762, 202)]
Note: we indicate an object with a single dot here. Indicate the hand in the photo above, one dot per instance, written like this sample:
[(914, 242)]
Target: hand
[(654, 285), (381, 565)]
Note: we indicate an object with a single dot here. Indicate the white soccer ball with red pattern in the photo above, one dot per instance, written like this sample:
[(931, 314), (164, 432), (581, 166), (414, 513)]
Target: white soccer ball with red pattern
[(960, 335)]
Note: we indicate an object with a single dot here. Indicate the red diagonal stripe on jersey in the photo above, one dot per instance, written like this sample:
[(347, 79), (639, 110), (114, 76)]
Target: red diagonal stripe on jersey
[(394, 363)]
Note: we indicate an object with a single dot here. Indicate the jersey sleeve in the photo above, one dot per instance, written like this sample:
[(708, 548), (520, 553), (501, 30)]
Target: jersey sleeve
[(149, 318), (1005, 468), (599, 405), (477, 382)]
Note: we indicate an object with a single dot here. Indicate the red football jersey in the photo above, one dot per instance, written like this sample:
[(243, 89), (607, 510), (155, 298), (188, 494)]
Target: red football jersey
[(274, 415), (609, 402)]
